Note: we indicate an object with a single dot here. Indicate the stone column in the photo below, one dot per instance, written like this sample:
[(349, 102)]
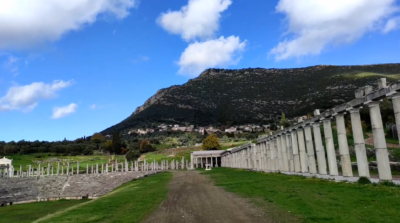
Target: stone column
[(319, 148), (48, 169), (106, 167), (296, 156), (87, 168), (67, 168), (38, 171), (359, 143), (279, 148), (62, 170), (58, 169), (330, 148), (285, 161), (276, 154), (97, 168), (77, 167), (382, 156), (91, 169), (310, 150), (343, 146), (396, 109), (302, 151), (290, 151)]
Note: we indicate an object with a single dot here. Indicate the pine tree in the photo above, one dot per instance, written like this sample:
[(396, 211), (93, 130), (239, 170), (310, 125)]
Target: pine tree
[(116, 143)]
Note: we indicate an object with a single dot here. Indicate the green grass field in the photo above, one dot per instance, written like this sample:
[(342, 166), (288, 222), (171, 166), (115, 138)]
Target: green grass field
[(314, 200), (29, 212), (130, 202)]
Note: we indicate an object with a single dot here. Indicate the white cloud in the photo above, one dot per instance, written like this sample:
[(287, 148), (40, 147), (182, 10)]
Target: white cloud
[(26, 97), (199, 56), (93, 106), (24, 23), (317, 24), (198, 19), (10, 64), (60, 112), (392, 24)]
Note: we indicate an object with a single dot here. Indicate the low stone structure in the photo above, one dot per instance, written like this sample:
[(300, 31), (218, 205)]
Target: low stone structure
[(56, 182), (200, 159), (47, 188)]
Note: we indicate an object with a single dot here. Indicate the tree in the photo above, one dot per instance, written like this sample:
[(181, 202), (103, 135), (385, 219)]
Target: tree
[(132, 155), (211, 143), (116, 143), (109, 146), (284, 122), (97, 138)]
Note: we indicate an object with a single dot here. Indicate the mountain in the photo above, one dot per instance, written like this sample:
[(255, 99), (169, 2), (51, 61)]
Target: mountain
[(254, 95)]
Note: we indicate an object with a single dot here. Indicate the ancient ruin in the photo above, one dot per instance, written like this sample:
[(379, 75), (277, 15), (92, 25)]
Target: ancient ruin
[(291, 150)]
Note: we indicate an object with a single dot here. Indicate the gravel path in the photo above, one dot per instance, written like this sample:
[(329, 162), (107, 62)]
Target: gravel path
[(193, 198)]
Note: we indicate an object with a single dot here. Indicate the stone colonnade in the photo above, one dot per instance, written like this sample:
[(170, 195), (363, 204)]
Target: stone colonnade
[(57, 169), (300, 148)]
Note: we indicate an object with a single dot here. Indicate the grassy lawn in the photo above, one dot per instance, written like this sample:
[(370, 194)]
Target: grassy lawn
[(314, 200), (30, 212), (130, 202)]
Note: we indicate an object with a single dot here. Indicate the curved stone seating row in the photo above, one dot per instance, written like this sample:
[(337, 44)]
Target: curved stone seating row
[(46, 188)]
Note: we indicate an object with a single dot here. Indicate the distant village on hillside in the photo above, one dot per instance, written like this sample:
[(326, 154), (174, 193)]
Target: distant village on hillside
[(205, 130)]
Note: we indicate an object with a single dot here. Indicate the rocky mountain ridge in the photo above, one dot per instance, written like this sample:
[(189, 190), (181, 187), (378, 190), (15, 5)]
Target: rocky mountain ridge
[(255, 95)]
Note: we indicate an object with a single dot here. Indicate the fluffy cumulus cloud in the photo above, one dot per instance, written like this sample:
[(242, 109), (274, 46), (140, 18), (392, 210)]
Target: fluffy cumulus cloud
[(317, 24), (198, 19), (26, 22), (60, 112), (27, 97), (199, 56)]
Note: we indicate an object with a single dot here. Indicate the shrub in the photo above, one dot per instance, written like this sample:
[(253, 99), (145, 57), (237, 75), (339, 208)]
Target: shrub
[(363, 180), (87, 152), (388, 183), (132, 155), (211, 143)]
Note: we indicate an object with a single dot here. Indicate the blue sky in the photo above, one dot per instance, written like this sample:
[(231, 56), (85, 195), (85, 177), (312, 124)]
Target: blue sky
[(73, 68)]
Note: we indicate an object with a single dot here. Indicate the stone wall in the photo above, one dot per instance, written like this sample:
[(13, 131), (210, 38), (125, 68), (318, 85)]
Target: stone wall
[(44, 188)]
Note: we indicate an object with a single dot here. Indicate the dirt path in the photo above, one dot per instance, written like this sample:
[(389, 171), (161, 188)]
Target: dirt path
[(370, 141), (193, 198)]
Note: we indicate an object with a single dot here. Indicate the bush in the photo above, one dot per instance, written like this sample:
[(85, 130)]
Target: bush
[(87, 152), (363, 180), (211, 143), (132, 155), (38, 156), (388, 183)]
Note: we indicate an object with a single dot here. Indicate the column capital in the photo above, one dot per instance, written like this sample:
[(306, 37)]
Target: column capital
[(372, 103), (339, 114), (354, 110)]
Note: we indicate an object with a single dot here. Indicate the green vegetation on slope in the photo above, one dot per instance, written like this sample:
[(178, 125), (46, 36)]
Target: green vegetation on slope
[(29, 212), (130, 202), (314, 200), (232, 97)]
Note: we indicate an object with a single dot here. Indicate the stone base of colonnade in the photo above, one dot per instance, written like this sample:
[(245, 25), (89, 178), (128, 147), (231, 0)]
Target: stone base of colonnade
[(326, 177)]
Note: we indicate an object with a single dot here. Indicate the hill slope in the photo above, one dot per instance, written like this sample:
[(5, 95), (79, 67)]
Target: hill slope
[(227, 97)]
